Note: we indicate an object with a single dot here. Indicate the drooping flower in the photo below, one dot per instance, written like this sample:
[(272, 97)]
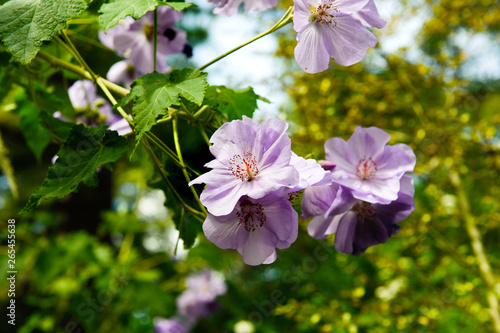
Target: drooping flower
[(357, 224), (255, 228), (91, 109), (333, 28), (171, 325), (251, 160), (368, 166), (133, 39), (230, 7)]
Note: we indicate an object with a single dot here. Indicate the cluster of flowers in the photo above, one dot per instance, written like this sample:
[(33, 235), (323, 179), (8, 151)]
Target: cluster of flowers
[(134, 40), (369, 194), (91, 109), (199, 300), (360, 192)]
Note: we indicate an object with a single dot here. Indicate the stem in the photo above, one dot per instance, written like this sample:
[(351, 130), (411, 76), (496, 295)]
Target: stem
[(82, 72), (159, 167), (183, 166), (155, 37), (204, 135), (112, 99), (478, 248), (78, 56), (287, 18)]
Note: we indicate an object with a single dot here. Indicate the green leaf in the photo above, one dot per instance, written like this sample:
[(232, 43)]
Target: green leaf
[(84, 151), (234, 103), (179, 6), (111, 13), (154, 93), (59, 129), (36, 136), (188, 227), (25, 24)]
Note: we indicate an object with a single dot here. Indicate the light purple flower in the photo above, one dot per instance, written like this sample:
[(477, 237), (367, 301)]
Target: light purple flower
[(367, 166), (250, 160), (255, 228), (91, 109), (332, 28), (134, 39), (194, 306), (172, 325), (357, 224), (310, 173), (230, 7), (206, 282)]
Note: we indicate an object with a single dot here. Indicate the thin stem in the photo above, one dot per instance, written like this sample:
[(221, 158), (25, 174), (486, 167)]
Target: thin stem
[(204, 135), (159, 167), (287, 18), (183, 166), (78, 56), (112, 99), (155, 38), (200, 111), (82, 72), (478, 248)]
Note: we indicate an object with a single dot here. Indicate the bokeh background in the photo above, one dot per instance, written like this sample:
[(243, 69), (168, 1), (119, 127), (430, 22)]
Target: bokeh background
[(433, 82)]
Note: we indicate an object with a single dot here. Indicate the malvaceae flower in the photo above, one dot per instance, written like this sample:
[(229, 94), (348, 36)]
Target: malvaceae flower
[(368, 166), (206, 282), (91, 109), (172, 325), (255, 228), (332, 28), (230, 7), (251, 160), (357, 224), (133, 39)]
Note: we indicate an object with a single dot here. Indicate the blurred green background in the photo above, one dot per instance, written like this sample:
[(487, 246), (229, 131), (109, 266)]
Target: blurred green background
[(102, 259)]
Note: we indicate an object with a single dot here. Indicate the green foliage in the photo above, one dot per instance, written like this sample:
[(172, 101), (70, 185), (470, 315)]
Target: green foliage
[(84, 151), (154, 93), (114, 11), (178, 6), (234, 103), (26, 24), (37, 137)]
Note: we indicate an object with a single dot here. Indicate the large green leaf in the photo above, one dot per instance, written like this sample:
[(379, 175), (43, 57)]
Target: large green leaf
[(84, 151), (153, 93), (178, 6), (25, 24), (36, 136), (234, 103), (111, 13)]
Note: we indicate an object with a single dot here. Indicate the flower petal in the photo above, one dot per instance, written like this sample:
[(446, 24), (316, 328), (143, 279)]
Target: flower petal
[(344, 237), (259, 246), (311, 53), (222, 230)]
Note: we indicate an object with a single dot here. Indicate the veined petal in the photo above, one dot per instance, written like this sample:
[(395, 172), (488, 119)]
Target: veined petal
[(301, 15), (311, 53), (282, 220), (344, 237), (259, 246), (369, 142), (222, 230), (395, 161), (317, 199), (350, 6), (321, 226), (369, 16), (272, 179), (347, 42), (259, 5), (340, 152)]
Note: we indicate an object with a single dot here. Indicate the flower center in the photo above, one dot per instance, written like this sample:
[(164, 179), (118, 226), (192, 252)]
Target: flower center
[(149, 31), (365, 211), (244, 167), (251, 215), (366, 168), (324, 13)]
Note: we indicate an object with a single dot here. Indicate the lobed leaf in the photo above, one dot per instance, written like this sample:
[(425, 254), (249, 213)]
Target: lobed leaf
[(153, 93), (25, 24), (111, 13), (234, 103), (85, 149)]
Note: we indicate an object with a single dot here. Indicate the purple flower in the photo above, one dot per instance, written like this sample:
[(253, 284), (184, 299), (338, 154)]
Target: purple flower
[(230, 7), (310, 173), (91, 109), (357, 224), (172, 325), (206, 282), (125, 72), (333, 28), (251, 160), (255, 228), (367, 166), (193, 306), (134, 39)]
